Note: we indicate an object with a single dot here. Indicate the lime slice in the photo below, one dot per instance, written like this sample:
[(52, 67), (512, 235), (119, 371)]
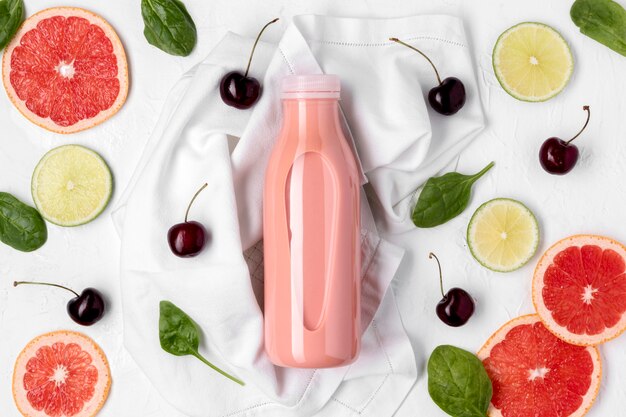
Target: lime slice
[(532, 62), (503, 235), (71, 185)]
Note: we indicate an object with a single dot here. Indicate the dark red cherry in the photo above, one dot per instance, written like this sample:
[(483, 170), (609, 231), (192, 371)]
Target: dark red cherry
[(237, 89), (85, 309), (187, 239), (448, 97), (456, 307), (559, 157)]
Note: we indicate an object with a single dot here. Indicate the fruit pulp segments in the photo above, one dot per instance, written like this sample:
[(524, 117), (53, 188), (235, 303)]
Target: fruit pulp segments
[(585, 289), (536, 374), (65, 69)]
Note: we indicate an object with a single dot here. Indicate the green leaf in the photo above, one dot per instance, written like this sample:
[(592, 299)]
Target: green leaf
[(180, 336), (602, 20), (443, 198), (458, 382), (168, 26), (11, 16), (21, 226)]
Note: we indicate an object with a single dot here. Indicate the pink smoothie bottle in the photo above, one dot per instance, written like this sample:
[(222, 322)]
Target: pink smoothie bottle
[(311, 227)]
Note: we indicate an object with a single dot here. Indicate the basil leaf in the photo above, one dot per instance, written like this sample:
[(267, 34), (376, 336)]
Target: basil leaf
[(443, 198), (21, 226), (602, 20), (168, 26), (180, 336), (11, 16), (458, 382)]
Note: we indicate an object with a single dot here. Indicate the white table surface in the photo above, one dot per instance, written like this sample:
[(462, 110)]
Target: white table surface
[(591, 199)]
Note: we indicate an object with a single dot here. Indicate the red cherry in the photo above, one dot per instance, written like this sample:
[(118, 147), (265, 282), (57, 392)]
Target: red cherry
[(237, 89), (187, 239), (448, 97), (85, 309), (457, 306), (559, 157)]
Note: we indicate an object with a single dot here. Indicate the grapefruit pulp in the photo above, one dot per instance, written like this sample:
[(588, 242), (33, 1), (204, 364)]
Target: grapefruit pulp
[(536, 374), (579, 289), (61, 374), (66, 70)]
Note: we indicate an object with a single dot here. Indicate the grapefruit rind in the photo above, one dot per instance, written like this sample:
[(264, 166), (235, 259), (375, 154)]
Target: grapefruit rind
[(118, 49), (537, 288), (501, 334), (105, 175), (102, 388)]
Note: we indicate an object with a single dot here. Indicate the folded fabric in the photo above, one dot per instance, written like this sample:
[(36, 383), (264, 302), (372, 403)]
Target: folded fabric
[(195, 142)]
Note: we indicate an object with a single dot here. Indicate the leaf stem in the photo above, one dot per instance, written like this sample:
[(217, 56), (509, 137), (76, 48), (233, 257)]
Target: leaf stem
[(255, 43), (483, 171), (586, 108), (16, 283), (431, 256), (421, 53), (194, 199), (215, 368)]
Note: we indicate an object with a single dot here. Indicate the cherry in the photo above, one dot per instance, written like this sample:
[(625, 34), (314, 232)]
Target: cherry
[(449, 96), (559, 157), (237, 89), (85, 309), (456, 306), (188, 238)]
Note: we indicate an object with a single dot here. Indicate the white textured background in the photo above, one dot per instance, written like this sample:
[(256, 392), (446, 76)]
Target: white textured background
[(591, 199)]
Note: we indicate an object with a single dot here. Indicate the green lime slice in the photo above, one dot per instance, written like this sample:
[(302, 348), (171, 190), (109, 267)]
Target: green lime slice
[(503, 235), (532, 61), (71, 185)]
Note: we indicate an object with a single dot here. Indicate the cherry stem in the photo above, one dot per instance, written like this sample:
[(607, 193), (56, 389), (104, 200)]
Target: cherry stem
[(255, 43), (16, 283), (431, 256), (421, 53), (585, 108), (194, 199)]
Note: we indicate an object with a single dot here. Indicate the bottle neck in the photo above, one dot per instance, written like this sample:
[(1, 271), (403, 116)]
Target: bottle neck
[(314, 113)]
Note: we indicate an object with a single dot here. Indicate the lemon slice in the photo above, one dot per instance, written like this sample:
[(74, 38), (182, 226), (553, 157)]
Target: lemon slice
[(71, 185), (503, 235), (532, 62)]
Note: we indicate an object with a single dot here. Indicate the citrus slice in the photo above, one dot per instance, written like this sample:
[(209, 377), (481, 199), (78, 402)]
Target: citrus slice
[(71, 185), (503, 235), (61, 374), (579, 289), (66, 70), (534, 373), (532, 62)]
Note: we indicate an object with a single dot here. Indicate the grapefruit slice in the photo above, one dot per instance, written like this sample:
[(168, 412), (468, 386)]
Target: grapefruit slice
[(61, 374), (579, 289), (536, 374), (66, 70)]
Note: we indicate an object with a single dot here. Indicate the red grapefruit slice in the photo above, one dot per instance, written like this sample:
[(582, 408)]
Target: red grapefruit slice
[(579, 289), (61, 374), (536, 374), (66, 70)]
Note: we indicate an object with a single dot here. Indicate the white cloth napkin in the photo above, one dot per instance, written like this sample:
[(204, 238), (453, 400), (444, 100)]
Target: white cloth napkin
[(195, 141)]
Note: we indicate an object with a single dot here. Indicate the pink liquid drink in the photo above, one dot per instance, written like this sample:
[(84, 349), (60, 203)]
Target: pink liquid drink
[(312, 232)]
